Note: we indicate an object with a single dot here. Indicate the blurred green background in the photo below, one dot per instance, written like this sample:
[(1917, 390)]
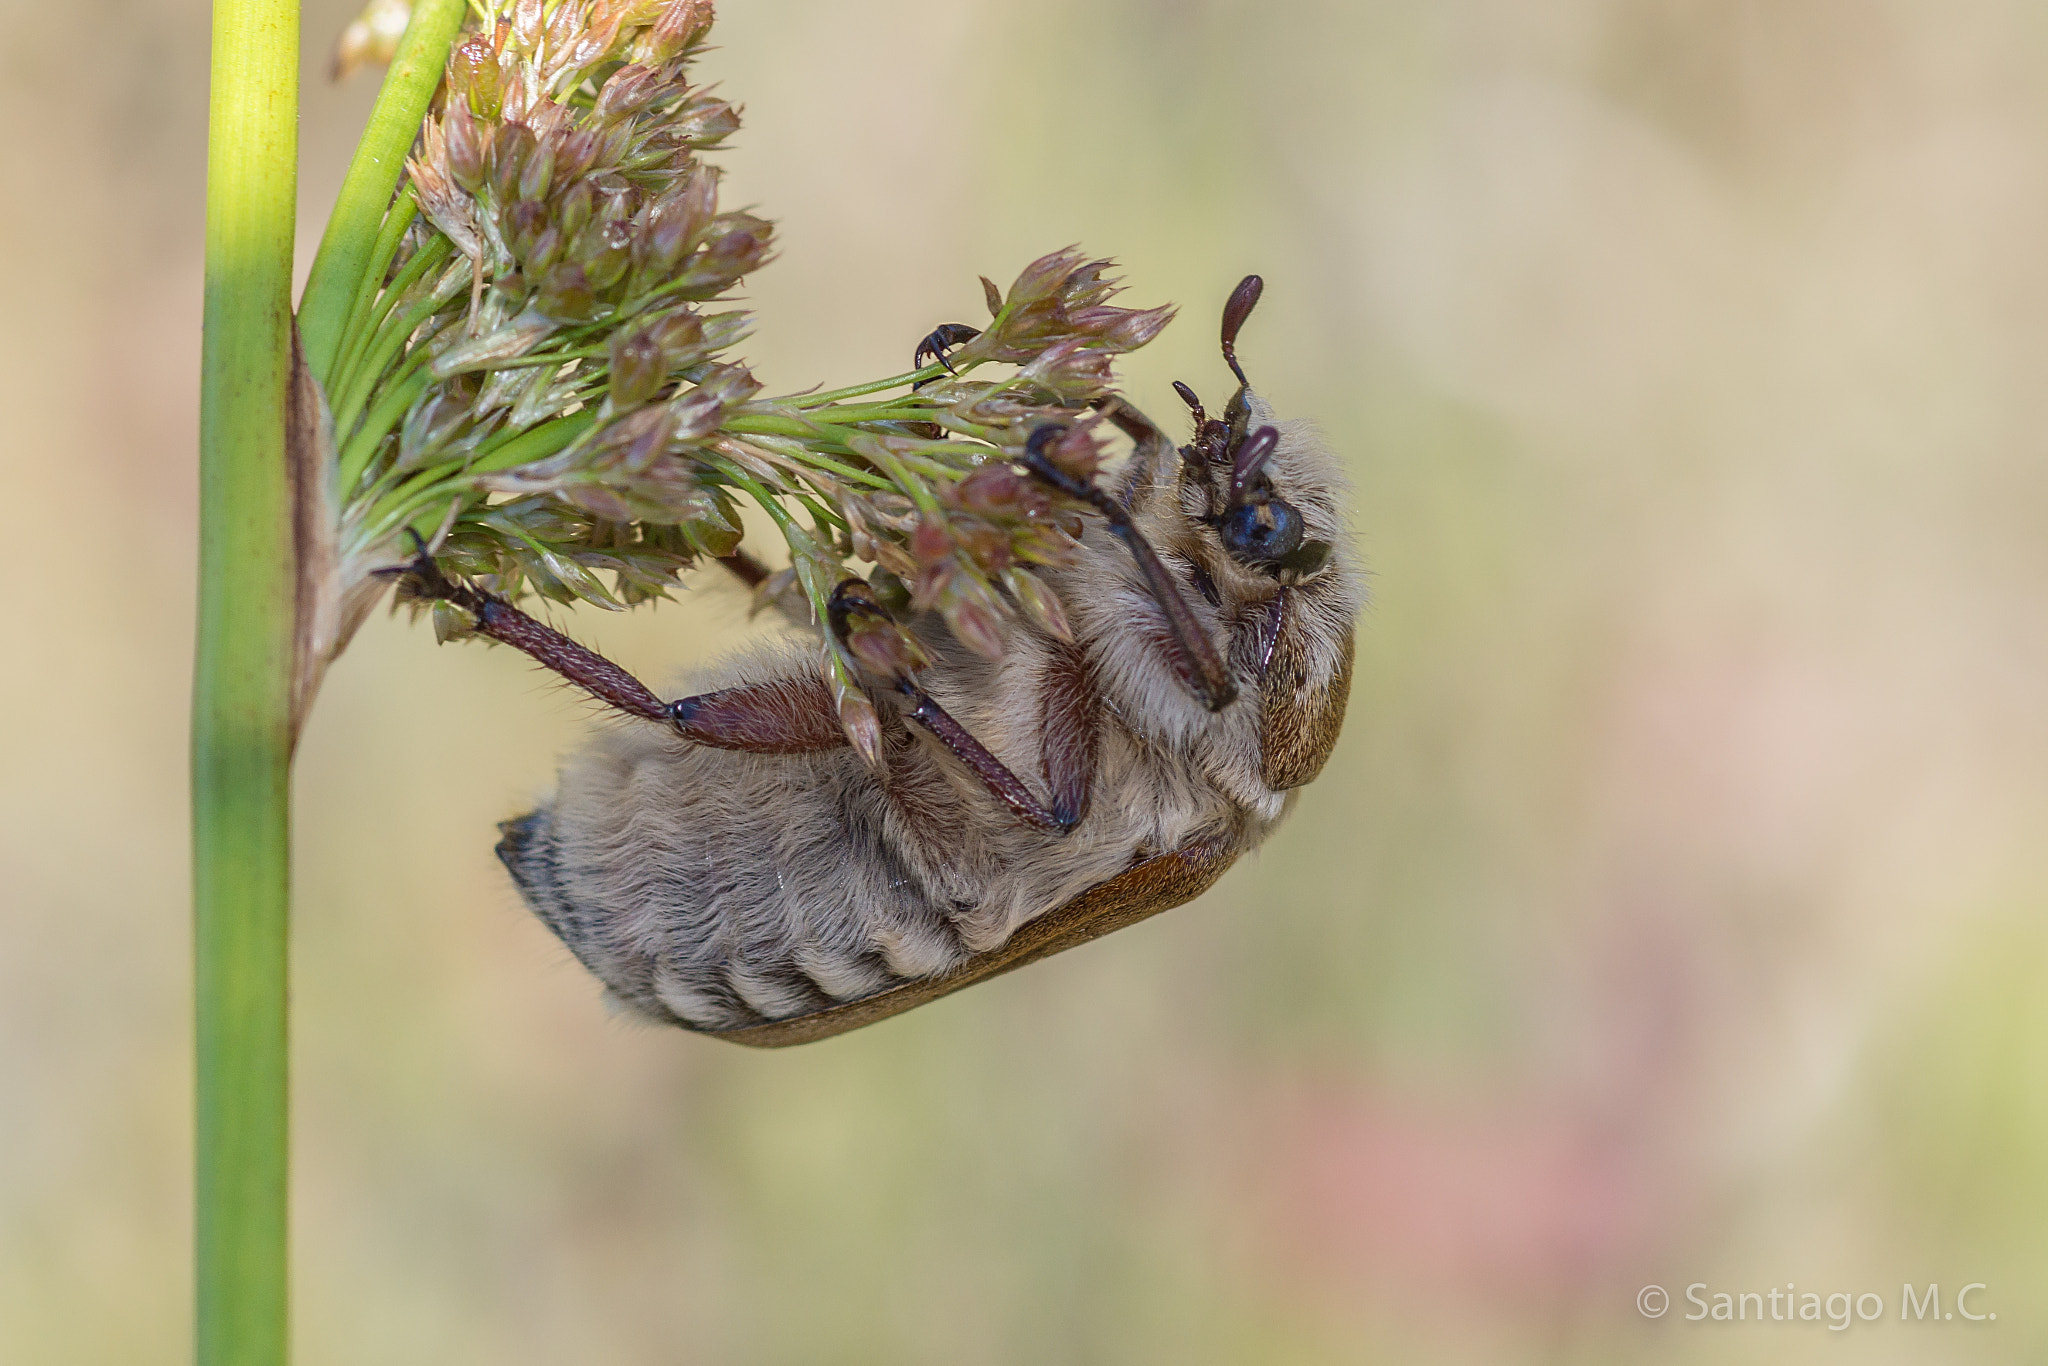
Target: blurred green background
[(1672, 911)]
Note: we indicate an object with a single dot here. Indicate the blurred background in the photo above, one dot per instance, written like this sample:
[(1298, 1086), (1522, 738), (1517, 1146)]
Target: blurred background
[(1672, 911)]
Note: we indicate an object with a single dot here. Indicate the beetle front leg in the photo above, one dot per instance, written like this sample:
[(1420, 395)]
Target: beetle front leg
[(1189, 649)]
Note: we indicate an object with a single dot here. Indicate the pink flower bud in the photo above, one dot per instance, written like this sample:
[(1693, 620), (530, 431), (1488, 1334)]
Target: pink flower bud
[(994, 488), (522, 223), (465, 146), (1086, 285), (863, 727), (575, 154), (974, 614), (1071, 369), (545, 251), (1039, 602), (628, 89), (574, 207), (681, 24), (538, 171), (511, 147), (1042, 279)]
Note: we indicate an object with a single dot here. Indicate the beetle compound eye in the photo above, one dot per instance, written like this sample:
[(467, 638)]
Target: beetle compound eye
[(1261, 533)]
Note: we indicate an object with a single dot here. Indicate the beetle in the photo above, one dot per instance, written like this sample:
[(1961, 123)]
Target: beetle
[(738, 870)]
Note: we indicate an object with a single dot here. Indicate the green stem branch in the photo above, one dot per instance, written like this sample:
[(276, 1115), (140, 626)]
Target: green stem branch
[(347, 247)]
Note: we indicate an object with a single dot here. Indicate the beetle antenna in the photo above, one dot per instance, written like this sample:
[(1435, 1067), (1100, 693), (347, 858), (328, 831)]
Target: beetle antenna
[(1250, 464), (1235, 310), (1187, 396)]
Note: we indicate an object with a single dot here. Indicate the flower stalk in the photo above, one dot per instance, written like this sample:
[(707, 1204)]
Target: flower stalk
[(242, 691)]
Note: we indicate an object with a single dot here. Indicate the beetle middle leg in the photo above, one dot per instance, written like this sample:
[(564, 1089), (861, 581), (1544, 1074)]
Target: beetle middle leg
[(1070, 729)]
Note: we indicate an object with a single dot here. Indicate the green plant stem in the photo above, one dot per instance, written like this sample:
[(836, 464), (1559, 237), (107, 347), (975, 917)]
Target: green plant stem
[(241, 696), (347, 247)]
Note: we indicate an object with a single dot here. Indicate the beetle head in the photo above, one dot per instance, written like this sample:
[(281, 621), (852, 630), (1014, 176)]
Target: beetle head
[(1232, 460)]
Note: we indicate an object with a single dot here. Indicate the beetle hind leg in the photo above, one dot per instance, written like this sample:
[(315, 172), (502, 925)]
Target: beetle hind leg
[(780, 716)]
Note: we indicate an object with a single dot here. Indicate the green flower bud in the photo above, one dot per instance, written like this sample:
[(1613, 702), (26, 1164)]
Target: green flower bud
[(473, 77), (565, 294), (639, 364), (507, 342), (574, 206), (863, 726), (430, 425), (451, 622), (713, 527), (704, 122), (889, 590), (604, 249)]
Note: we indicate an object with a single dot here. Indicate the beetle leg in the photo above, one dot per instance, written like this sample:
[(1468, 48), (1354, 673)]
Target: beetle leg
[(1189, 649), (1005, 786), (1069, 709), (939, 341), (783, 716), (745, 568), (863, 627), (936, 344)]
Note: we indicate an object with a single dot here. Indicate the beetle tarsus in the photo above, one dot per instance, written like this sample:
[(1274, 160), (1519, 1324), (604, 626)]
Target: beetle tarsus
[(938, 342)]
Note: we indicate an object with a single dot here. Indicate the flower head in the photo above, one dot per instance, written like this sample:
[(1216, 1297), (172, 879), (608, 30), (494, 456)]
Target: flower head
[(543, 383)]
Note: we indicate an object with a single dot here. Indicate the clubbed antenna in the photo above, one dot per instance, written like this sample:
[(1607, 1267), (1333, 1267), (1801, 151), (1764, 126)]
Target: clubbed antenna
[(1235, 310), (1250, 463)]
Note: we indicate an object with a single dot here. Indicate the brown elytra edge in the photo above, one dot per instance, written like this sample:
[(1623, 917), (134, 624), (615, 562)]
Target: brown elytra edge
[(1143, 890)]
